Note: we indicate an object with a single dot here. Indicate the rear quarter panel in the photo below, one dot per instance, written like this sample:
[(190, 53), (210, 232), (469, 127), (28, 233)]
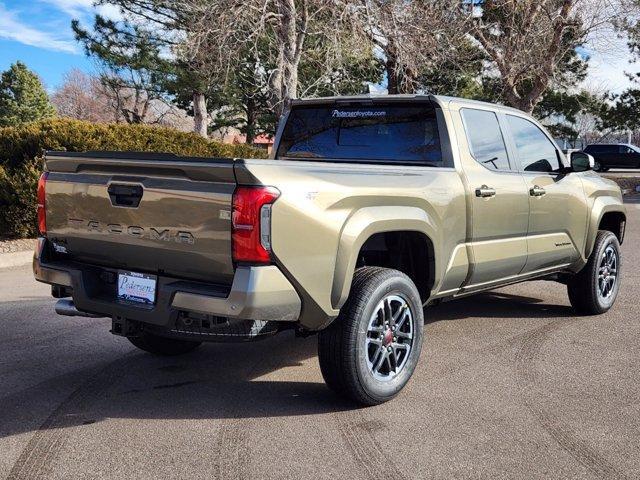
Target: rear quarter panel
[(326, 211)]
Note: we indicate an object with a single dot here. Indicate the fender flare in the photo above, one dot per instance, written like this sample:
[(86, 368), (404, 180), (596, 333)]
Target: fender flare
[(601, 206), (366, 222)]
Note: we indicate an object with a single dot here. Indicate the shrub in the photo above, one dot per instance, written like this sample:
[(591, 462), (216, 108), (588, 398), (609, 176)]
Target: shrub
[(18, 202), (22, 148)]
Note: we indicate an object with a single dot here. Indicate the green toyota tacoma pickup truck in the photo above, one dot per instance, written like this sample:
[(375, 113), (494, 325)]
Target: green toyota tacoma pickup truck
[(369, 209)]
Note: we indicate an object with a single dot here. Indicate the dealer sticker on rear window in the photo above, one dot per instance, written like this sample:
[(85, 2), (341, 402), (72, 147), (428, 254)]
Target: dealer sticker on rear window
[(358, 113)]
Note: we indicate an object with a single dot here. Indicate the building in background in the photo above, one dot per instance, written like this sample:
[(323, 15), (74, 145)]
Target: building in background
[(233, 136)]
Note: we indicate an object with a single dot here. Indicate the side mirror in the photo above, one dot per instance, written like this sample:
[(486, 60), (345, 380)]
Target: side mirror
[(581, 162)]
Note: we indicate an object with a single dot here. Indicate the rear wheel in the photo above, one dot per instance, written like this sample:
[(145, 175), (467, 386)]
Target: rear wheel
[(370, 351), (597, 166), (161, 345), (594, 289)]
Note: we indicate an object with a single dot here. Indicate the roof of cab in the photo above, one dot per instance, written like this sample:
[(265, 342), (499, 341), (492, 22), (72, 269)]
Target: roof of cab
[(440, 100), (612, 144)]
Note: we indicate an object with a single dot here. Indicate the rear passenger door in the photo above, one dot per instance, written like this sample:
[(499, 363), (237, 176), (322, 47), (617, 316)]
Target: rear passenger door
[(610, 156), (629, 158), (557, 203), (498, 201)]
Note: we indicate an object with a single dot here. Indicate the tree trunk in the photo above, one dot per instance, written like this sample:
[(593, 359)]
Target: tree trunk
[(527, 105), (289, 84), (526, 102), (200, 114), (392, 75), (291, 33), (251, 119), (399, 78)]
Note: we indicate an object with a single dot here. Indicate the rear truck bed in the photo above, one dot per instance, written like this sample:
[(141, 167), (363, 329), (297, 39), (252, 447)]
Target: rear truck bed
[(148, 238)]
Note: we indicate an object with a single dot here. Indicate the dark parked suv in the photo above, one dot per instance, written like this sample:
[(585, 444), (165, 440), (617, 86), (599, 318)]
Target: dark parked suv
[(614, 155)]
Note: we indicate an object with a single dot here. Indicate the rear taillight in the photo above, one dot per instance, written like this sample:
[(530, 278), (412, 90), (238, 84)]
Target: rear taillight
[(42, 213), (251, 224)]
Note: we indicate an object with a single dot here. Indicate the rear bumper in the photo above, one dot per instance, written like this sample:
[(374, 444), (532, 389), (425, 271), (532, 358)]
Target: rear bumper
[(257, 293)]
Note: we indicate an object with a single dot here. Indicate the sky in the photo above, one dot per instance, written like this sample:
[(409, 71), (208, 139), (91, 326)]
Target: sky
[(38, 32)]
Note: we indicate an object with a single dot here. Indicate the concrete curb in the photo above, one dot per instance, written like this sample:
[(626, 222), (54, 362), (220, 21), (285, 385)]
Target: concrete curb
[(16, 259)]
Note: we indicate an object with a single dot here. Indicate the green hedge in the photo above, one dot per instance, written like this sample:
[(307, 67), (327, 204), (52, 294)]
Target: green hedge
[(21, 150)]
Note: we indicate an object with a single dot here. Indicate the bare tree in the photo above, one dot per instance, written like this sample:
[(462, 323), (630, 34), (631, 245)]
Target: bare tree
[(277, 31), (110, 99), (131, 104), (81, 97), (526, 40), (410, 37), (139, 105)]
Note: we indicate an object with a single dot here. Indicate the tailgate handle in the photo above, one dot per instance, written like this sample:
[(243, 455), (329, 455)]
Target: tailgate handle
[(125, 195)]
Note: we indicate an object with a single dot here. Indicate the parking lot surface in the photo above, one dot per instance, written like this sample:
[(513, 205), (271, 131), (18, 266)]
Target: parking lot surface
[(510, 385)]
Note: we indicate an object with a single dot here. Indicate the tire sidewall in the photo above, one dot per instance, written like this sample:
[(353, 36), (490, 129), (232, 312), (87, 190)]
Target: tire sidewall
[(375, 388), (605, 304)]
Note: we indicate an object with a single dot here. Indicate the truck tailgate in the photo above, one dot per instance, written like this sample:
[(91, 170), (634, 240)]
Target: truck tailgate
[(152, 213)]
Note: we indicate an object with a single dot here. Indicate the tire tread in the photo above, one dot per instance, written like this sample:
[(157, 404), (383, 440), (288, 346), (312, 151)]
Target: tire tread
[(581, 287), (337, 343)]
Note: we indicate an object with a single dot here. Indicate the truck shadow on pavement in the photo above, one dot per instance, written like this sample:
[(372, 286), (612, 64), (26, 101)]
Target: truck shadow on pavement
[(496, 304), (271, 378)]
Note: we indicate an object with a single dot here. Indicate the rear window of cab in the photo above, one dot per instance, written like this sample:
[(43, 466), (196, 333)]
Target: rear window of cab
[(403, 134)]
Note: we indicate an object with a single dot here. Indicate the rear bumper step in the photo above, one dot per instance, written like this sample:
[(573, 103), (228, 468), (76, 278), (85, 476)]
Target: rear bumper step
[(257, 293), (67, 308)]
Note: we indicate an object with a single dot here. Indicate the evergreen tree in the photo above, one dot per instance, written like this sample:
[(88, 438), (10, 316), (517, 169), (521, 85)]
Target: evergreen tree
[(22, 97), (622, 113)]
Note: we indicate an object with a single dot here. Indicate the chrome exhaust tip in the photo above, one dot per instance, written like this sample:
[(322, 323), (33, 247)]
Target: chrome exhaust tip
[(67, 308)]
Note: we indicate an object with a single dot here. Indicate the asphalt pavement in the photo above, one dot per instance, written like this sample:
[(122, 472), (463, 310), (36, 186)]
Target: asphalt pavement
[(511, 384)]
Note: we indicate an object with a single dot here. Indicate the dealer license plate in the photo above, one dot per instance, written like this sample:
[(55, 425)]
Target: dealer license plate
[(137, 287)]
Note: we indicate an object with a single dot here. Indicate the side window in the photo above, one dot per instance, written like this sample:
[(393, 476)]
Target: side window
[(594, 149), (536, 152), (603, 149), (485, 138), (625, 149)]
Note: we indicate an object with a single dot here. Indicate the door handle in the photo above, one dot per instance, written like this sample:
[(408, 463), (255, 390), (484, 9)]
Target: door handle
[(537, 191), (485, 192)]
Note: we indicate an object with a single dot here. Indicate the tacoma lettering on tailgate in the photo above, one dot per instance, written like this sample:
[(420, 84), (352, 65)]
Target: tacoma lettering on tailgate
[(152, 233)]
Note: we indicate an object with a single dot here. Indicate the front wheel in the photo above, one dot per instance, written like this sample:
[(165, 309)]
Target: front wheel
[(594, 289), (370, 351)]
